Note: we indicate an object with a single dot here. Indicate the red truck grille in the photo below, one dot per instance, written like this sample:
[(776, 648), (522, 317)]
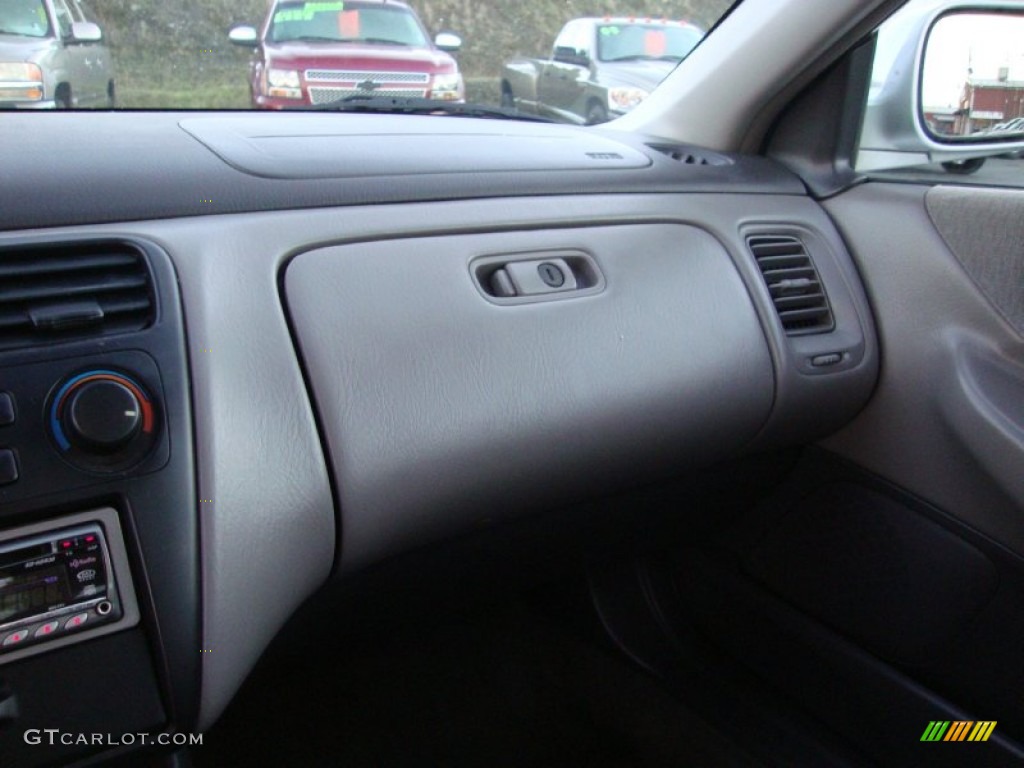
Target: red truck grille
[(337, 84), (380, 78), (327, 95)]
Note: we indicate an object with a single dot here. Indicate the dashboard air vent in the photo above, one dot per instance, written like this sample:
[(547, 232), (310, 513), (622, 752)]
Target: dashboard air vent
[(793, 283), (691, 155), (63, 292)]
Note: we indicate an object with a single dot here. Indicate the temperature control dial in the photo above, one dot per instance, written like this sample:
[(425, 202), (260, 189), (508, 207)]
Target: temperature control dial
[(102, 420), (102, 415)]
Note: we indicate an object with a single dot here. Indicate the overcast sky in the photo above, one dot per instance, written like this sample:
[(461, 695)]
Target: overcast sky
[(983, 42)]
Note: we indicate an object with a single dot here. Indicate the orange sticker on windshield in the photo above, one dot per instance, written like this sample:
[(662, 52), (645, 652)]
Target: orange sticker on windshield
[(348, 24), (655, 43)]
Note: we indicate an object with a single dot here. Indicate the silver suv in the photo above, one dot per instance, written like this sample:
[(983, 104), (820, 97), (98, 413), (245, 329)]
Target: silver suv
[(52, 56)]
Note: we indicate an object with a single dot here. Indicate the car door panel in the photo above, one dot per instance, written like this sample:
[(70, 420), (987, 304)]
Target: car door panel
[(984, 229), (558, 88), (74, 54), (93, 83), (944, 422)]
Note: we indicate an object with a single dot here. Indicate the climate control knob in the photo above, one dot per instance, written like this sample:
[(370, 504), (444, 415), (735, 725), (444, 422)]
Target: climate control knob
[(102, 415), (102, 420)]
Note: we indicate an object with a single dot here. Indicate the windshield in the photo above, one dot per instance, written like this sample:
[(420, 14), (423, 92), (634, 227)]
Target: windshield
[(503, 59), (345, 22), (26, 18), (621, 42)]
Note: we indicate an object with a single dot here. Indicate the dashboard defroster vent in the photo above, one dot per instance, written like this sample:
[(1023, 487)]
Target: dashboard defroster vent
[(793, 282), (691, 155), (67, 291)]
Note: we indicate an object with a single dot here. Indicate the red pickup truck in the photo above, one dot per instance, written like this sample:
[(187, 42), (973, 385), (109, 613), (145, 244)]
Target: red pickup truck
[(310, 53)]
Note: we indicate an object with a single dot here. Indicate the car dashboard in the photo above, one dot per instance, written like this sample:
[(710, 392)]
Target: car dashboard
[(347, 338)]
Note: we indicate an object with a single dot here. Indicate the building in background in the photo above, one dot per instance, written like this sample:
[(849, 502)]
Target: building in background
[(986, 104)]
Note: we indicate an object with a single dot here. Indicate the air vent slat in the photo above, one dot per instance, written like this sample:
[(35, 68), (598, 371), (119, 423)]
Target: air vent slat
[(691, 155), (773, 250), (120, 306), (12, 320), (781, 261), (46, 290), (793, 284), (790, 273), (27, 268), (64, 288), (783, 303), (805, 312)]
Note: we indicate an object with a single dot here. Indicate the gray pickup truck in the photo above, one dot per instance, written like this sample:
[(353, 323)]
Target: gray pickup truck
[(599, 68), (52, 56)]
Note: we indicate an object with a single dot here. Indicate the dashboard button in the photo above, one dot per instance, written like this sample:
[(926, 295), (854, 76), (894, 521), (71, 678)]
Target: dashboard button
[(47, 629), (15, 637), (6, 409), (76, 621), (8, 466)]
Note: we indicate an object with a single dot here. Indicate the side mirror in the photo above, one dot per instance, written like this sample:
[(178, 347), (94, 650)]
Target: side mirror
[(448, 41), (244, 35), (566, 54), (85, 32), (947, 87)]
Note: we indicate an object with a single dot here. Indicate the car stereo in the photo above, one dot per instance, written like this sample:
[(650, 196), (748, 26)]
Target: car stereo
[(61, 582)]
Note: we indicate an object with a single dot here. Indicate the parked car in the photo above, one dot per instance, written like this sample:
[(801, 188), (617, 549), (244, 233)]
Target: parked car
[(316, 53), (599, 68), (1016, 125), (1006, 128), (52, 56)]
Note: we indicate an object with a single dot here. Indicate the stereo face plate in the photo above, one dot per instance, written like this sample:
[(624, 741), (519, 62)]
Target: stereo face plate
[(62, 582)]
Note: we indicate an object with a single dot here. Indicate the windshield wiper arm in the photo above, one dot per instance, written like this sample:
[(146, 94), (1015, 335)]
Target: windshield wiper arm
[(646, 57), (312, 39), (325, 39), (416, 106)]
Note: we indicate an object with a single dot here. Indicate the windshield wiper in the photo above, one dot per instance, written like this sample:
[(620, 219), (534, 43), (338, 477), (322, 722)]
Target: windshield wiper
[(324, 39), (646, 57), (311, 39), (381, 41), (416, 106)]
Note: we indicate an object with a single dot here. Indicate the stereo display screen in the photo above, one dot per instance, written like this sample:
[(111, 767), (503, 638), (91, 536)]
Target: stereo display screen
[(32, 591)]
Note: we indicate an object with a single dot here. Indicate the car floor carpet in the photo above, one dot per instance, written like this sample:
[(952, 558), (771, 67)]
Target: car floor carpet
[(503, 685)]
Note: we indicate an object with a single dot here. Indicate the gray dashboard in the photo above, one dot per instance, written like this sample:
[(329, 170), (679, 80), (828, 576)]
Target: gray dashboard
[(163, 164), (427, 432), (356, 395)]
